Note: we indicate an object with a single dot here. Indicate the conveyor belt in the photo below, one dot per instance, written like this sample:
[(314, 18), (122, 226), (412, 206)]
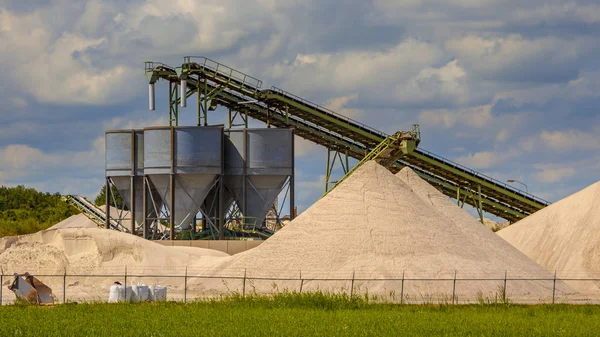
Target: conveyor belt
[(92, 211), (279, 108)]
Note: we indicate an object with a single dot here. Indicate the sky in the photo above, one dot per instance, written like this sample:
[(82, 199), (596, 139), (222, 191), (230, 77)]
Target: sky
[(508, 88)]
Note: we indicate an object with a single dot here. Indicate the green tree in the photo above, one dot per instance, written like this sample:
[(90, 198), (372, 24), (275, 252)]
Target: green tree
[(115, 200), (26, 210)]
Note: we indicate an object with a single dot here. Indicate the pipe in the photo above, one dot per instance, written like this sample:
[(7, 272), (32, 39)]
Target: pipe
[(151, 95), (183, 94)]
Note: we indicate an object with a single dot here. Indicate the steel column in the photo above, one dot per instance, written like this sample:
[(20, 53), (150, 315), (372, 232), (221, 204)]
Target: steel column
[(172, 188), (145, 224), (480, 204), (292, 176), (132, 185), (107, 211), (173, 106), (244, 177)]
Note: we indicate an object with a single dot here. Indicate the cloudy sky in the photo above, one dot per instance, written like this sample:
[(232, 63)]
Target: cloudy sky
[(510, 88)]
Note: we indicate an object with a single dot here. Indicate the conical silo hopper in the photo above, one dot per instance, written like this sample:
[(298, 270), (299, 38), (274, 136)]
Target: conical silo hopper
[(187, 158), (124, 151), (258, 162)]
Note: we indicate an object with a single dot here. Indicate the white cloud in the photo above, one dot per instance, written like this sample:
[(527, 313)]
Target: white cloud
[(515, 58), (304, 148), (569, 140), (486, 159), (19, 103), (502, 135), (477, 117), (58, 70), (351, 70), (528, 144), (480, 160), (569, 11), (553, 175), (446, 85), (338, 104)]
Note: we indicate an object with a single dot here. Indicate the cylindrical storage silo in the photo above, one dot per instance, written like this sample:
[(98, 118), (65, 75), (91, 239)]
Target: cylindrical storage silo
[(125, 159), (190, 158), (257, 164)]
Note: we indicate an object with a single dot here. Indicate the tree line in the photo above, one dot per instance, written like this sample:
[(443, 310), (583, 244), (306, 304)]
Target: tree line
[(25, 210)]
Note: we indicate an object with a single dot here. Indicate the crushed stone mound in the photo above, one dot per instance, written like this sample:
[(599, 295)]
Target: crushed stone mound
[(93, 251), (564, 237), (374, 225), (75, 221)]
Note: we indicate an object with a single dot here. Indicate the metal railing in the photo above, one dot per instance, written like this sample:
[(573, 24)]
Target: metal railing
[(449, 288), (254, 85), (481, 175), (383, 135), (227, 72), (329, 111)]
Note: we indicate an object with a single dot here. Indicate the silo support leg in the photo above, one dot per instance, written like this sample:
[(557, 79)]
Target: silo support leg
[(221, 210), (107, 223), (172, 208), (132, 210), (331, 161), (145, 226)]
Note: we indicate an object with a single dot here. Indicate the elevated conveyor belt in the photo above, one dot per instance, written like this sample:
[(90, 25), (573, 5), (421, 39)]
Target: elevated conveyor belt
[(92, 211), (240, 92)]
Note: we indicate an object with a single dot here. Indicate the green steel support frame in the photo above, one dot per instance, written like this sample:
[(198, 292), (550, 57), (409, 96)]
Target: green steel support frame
[(241, 93), (342, 159)]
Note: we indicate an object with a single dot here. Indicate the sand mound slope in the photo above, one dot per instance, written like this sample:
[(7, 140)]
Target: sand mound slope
[(564, 236), (83, 252), (373, 226), (468, 226), (93, 250), (75, 221)]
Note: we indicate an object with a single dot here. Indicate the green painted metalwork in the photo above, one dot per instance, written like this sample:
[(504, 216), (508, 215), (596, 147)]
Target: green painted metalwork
[(475, 179), (462, 194), (385, 154), (241, 93), (337, 158), (173, 105)]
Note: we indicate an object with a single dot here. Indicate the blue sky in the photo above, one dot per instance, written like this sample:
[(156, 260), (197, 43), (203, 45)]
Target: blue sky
[(509, 88)]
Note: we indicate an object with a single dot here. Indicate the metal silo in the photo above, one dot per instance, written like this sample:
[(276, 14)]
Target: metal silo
[(258, 162), (183, 164), (124, 151)]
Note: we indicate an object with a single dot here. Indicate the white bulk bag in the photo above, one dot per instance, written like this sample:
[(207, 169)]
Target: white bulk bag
[(158, 294), (140, 293), (116, 294)]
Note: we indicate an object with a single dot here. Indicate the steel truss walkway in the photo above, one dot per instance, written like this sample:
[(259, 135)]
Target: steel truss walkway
[(92, 211), (217, 84)]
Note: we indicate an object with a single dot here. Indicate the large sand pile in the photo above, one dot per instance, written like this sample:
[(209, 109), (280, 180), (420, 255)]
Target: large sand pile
[(92, 251), (374, 226), (75, 221), (564, 236)]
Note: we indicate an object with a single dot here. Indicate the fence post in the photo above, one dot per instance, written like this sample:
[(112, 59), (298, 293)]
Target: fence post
[(185, 286), (352, 286), (65, 286), (504, 289), (125, 287), (301, 282), (1, 282), (244, 284), (554, 288), (454, 288), (402, 289)]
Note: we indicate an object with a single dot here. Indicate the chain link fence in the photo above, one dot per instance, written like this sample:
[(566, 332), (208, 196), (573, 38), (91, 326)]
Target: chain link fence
[(189, 284)]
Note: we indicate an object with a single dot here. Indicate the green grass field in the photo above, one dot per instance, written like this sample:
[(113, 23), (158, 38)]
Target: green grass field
[(298, 315)]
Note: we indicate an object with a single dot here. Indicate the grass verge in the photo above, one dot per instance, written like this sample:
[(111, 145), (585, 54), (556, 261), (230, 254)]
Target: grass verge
[(297, 315)]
